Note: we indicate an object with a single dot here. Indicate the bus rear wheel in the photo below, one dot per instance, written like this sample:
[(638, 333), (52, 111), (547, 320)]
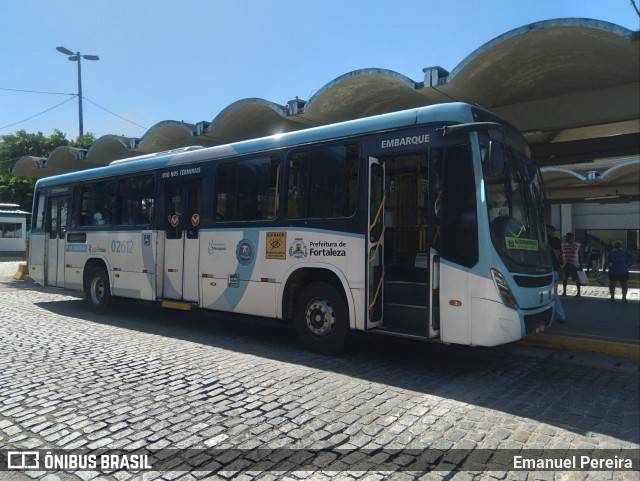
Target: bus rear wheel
[(97, 290), (321, 318)]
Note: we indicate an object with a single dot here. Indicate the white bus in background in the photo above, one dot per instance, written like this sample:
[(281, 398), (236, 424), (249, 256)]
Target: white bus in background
[(426, 223)]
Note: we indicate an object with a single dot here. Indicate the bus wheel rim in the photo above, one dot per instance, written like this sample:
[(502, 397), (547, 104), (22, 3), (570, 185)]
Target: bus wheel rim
[(97, 290), (320, 318)]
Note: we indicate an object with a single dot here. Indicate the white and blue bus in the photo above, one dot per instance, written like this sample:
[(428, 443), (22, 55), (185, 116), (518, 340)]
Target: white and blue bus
[(425, 223)]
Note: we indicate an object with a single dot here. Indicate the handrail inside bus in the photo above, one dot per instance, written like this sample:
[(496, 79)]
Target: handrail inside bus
[(372, 258), (375, 221), (375, 297)]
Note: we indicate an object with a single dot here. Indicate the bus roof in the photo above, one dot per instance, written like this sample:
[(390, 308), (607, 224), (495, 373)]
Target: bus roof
[(451, 112)]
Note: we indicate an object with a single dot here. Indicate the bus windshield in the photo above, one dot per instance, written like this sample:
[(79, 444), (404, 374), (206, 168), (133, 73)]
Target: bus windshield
[(515, 202)]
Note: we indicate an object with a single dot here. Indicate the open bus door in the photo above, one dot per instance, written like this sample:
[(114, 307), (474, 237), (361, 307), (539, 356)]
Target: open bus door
[(375, 244), (57, 213), (182, 245)]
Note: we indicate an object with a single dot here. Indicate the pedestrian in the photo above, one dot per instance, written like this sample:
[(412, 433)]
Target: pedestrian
[(603, 252), (556, 255), (593, 256), (571, 262), (620, 260)]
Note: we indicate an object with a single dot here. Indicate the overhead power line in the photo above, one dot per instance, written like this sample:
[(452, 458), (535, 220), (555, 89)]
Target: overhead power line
[(71, 97), (61, 103), (113, 113), (36, 115), (35, 91)]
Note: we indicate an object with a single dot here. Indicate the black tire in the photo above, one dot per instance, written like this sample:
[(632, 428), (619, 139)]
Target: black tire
[(321, 318), (97, 290)]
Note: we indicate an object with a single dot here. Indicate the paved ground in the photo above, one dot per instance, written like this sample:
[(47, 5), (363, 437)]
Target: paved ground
[(594, 324), (146, 378)]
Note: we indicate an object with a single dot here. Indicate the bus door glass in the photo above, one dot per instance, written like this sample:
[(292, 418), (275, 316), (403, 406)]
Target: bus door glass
[(57, 211), (375, 241), (182, 245), (436, 193), (454, 242)]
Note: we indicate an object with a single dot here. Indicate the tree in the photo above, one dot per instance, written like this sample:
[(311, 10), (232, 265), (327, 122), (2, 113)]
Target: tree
[(19, 190)]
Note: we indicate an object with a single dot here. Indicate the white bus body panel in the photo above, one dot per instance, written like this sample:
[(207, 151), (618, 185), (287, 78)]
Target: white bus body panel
[(492, 323), (434, 310), (131, 257), (158, 245), (73, 278), (190, 267), (76, 258), (245, 271), (454, 319), (482, 319), (174, 268), (181, 275), (358, 316), (37, 257), (55, 261)]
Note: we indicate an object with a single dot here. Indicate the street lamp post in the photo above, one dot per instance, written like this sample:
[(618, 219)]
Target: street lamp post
[(75, 57)]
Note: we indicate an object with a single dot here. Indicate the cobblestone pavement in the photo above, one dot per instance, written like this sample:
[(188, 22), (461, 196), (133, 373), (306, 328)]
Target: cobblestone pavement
[(143, 377)]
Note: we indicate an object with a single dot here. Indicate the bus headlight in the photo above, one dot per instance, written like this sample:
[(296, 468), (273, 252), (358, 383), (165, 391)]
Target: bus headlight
[(507, 296)]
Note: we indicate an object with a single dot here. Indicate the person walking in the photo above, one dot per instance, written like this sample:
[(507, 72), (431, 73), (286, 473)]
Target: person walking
[(556, 254), (593, 256), (620, 260), (571, 262)]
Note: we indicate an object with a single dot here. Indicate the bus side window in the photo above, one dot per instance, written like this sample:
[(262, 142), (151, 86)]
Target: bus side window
[(38, 218), (247, 189), (97, 203), (136, 200), (322, 183)]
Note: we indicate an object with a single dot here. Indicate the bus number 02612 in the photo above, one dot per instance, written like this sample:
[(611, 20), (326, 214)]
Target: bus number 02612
[(122, 247)]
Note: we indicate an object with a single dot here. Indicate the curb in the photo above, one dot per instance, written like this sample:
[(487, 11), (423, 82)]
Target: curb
[(579, 344), (631, 284)]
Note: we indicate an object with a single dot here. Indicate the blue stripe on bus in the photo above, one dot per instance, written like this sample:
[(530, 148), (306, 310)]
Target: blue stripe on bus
[(233, 295)]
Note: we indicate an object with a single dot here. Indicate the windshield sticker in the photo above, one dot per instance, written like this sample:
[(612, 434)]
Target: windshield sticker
[(522, 244), (276, 245)]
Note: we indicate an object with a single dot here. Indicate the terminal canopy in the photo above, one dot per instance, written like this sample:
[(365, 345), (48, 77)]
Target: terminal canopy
[(571, 86)]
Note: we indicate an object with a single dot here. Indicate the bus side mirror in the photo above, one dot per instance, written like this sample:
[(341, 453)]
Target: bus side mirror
[(496, 157)]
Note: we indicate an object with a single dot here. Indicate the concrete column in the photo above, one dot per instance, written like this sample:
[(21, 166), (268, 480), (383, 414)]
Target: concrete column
[(566, 218)]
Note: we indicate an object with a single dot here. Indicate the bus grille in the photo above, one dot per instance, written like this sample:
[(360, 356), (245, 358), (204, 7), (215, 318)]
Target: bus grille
[(524, 281), (533, 320)]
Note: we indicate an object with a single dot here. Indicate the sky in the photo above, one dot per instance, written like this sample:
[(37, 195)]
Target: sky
[(189, 60)]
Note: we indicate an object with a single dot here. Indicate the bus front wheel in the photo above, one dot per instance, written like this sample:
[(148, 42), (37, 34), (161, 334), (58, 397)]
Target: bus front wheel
[(321, 318), (97, 290)]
